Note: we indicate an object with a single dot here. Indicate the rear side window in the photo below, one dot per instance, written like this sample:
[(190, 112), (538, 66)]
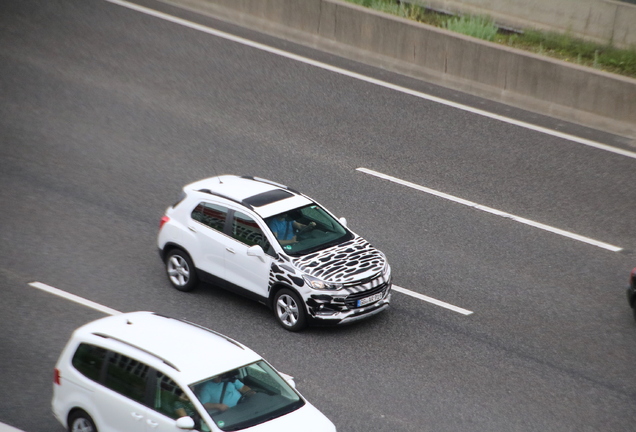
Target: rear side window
[(126, 376), (88, 360), (211, 215)]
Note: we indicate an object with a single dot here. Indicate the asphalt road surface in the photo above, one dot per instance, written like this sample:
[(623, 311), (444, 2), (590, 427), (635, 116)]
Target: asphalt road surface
[(106, 112)]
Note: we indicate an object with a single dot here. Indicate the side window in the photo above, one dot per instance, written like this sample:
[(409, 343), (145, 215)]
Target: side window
[(88, 360), (171, 401), (126, 376), (211, 215), (246, 230)]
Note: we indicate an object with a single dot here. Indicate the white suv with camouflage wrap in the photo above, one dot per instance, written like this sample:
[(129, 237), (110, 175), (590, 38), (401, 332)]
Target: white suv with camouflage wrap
[(274, 245)]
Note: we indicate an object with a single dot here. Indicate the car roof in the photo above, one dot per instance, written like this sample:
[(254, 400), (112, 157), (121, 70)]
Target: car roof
[(265, 197), (194, 352)]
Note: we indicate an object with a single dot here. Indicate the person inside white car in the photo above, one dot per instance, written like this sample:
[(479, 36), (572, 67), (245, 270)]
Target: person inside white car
[(223, 392), (285, 229)]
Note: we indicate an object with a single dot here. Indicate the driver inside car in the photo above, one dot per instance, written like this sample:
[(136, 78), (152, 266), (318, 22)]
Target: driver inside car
[(223, 392), (285, 229)]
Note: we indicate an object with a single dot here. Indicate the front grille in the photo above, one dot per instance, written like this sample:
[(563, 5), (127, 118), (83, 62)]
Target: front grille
[(352, 300), (362, 281)]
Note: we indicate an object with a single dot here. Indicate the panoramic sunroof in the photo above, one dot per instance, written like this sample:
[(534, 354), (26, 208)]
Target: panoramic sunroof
[(267, 197)]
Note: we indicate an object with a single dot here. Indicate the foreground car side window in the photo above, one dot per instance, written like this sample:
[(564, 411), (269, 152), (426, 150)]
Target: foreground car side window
[(126, 376), (88, 360), (170, 400), (211, 215)]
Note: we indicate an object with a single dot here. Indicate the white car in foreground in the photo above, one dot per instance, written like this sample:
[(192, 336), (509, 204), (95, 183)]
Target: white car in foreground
[(142, 371)]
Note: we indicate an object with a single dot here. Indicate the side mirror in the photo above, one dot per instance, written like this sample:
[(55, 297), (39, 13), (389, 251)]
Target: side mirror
[(343, 221), (289, 379), (185, 423), (256, 251)]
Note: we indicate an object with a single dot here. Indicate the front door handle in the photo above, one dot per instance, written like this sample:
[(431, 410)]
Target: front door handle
[(192, 229), (230, 250)]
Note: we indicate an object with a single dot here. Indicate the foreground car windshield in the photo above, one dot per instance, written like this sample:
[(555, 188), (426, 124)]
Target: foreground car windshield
[(247, 396), (307, 229)]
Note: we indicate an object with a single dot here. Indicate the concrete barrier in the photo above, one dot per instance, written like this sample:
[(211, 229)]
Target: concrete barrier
[(564, 90), (603, 21)]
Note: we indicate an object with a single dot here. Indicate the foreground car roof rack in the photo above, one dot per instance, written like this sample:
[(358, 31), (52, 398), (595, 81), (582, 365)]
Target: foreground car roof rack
[(202, 328), (107, 336)]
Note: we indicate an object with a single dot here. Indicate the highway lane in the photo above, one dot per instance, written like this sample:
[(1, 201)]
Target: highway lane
[(106, 113)]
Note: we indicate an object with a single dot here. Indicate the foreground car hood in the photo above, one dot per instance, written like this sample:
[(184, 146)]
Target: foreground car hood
[(347, 262), (305, 419)]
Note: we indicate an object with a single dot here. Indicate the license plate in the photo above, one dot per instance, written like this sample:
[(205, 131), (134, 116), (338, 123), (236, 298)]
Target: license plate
[(370, 299)]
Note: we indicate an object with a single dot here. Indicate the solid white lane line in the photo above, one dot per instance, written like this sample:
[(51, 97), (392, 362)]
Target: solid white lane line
[(73, 297), (493, 211), (431, 300), (370, 80)]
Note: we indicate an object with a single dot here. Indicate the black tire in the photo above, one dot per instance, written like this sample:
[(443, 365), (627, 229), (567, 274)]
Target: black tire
[(180, 270), (79, 421), (289, 310)]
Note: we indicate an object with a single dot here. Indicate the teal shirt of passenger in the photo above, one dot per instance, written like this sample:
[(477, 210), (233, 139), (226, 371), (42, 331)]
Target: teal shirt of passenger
[(211, 392)]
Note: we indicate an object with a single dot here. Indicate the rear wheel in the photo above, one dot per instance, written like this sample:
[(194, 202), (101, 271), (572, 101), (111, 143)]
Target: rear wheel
[(289, 310), (79, 421), (180, 270)]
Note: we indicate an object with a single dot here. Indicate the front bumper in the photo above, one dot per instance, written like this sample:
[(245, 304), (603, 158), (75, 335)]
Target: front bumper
[(325, 309)]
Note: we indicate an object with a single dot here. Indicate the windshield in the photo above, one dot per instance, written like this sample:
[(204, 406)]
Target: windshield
[(307, 229), (247, 396)]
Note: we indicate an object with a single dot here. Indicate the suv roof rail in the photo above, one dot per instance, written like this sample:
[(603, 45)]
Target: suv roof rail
[(107, 336), (208, 191), (269, 182)]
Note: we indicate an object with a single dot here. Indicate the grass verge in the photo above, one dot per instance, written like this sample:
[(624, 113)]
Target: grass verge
[(553, 44)]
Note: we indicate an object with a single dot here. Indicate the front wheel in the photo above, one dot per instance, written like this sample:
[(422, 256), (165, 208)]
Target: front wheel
[(289, 310), (180, 270), (79, 421)]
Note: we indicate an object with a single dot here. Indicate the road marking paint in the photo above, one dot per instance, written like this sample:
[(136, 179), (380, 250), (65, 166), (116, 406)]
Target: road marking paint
[(492, 210), (109, 311), (73, 297), (431, 300), (370, 80)]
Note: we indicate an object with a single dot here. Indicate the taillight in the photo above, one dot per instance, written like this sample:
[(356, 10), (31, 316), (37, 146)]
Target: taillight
[(163, 221), (57, 378)]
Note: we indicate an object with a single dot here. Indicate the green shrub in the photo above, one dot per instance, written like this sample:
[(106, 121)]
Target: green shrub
[(479, 27)]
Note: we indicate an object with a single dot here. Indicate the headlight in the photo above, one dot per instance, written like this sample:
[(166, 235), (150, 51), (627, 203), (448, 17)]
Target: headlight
[(319, 284)]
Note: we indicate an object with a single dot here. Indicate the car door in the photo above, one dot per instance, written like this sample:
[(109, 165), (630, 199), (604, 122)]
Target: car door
[(170, 402), (121, 402), (243, 268), (206, 224)]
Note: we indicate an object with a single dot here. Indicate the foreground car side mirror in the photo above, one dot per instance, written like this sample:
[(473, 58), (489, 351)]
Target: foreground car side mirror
[(185, 423), (343, 221), (256, 251)]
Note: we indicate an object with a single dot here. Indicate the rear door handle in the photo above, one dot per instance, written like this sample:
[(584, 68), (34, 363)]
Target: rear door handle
[(136, 416), (192, 229)]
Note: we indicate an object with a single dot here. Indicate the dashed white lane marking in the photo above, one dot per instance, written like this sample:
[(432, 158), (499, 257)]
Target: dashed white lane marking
[(370, 80), (74, 298), (492, 211), (109, 311), (431, 300)]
